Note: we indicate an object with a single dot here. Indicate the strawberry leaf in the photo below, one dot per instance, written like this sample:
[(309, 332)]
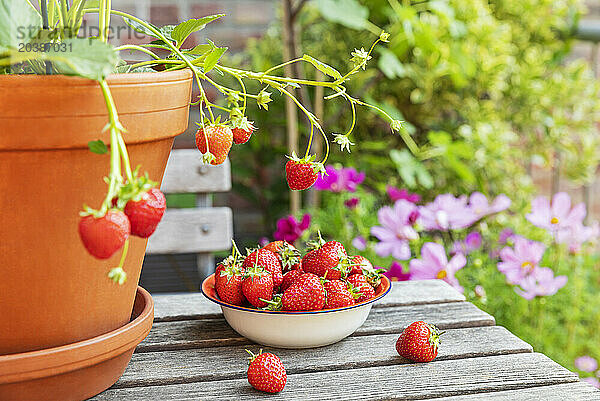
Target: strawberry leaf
[(98, 147), (181, 32), (324, 68)]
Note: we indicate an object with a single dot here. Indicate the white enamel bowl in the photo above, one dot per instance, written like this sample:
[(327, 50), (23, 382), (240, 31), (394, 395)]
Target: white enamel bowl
[(283, 329)]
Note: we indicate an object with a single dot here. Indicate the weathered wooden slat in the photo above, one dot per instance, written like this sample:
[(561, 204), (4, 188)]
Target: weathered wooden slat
[(186, 173), (400, 382), (216, 332), (192, 230), (562, 392), (173, 307), (184, 366)]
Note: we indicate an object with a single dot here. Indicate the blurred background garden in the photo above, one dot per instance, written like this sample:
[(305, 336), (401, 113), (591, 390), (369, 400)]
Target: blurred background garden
[(500, 200)]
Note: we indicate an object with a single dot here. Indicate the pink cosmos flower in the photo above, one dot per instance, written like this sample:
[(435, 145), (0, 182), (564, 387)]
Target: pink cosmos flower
[(289, 229), (434, 264), (556, 215), (446, 212), (395, 230), (397, 194), (481, 207), (339, 180), (359, 243), (471, 243), (586, 363), (576, 235), (396, 273), (520, 261), (540, 283), (505, 235)]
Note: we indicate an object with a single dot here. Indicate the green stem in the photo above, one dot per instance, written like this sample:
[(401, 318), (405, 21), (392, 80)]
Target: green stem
[(138, 48), (125, 157), (312, 128), (282, 65), (124, 254), (151, 62)]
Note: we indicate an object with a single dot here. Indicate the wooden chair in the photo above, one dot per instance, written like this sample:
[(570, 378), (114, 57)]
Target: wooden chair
[(201, 230)]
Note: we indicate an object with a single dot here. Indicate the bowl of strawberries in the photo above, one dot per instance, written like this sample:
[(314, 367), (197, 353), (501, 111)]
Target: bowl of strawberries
[(276, 297)]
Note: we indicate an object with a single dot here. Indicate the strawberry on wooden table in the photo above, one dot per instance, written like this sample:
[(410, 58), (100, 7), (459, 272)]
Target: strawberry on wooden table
[(267, 260), (305, 294), (419, 342), (257, 286), (105, 235), (266, 372), (219, 139), (145, 212), (302, 173)]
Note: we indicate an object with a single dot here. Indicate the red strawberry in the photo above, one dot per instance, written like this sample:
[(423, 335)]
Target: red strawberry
[(289, 278), (242, 130), (305, 294), (419, 342), (268, 261), (266, 372), (361, 285), (145, 213), (327, 260), (359, 263), (287, 253), (338, 295), (228, 283), (103, 236), (257, 286), (220, 139), (302, 173)]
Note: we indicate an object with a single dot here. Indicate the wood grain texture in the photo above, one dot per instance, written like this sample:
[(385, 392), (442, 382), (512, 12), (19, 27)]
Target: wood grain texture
[(216, 332), (184, 366), (400, 382), (562, 392), (186, 173), (192, 230), (173, 307)]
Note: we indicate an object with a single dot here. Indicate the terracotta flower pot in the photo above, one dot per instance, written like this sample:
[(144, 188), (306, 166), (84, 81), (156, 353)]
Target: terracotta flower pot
[(52, 292)]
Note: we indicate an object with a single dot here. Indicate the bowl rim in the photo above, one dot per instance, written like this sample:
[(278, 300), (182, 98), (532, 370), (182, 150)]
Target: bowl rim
[(385, 282)]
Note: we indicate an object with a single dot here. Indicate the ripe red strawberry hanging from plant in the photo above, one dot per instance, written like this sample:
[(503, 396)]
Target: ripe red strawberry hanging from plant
[(302, 173), (419, 342), (242, 130), (104, 235), (266, 372), (214, 141)]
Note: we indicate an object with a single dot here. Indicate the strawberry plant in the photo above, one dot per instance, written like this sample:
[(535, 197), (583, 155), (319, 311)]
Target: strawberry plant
[(49, 41)]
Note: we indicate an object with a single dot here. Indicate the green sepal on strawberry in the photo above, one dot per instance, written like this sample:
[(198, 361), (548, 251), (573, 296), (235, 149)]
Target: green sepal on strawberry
[(419, 342), (339, 294), (361, 286), (257, 286), (104, 235), (326, 259), (228, 283), (289, 256), (242, 130), (302, 173), (268, 260), (266, 372)]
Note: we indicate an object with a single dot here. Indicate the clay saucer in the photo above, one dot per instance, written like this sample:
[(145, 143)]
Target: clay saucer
[(79, 370)]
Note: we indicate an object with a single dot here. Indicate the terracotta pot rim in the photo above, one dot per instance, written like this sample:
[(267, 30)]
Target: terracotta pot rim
[(9, 80), (54, 361)]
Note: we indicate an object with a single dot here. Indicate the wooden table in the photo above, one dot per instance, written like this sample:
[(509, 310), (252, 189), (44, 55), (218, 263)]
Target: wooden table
[(192, 354)]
